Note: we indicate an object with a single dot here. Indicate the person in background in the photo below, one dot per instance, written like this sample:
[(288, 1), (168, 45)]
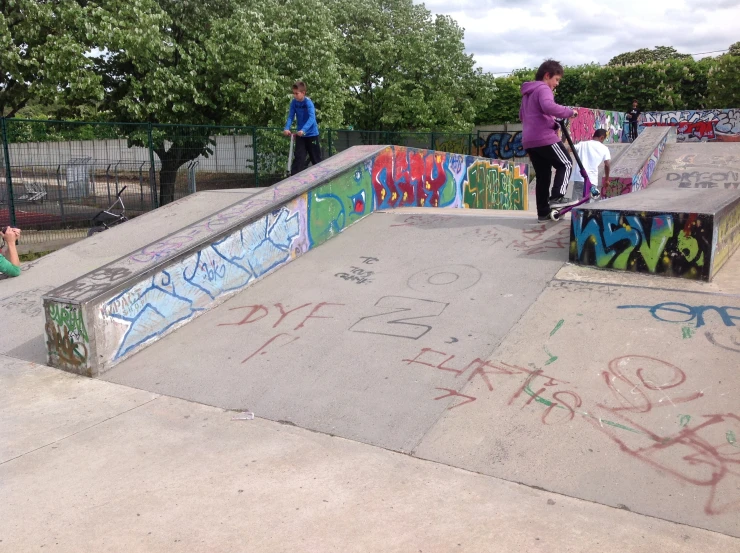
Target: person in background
[(307, 139), (592, 153), (632, 116), (10, 264)]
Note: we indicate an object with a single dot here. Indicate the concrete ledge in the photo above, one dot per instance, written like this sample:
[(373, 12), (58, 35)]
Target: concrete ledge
[(688, 235), (107, 315), (633, 169)]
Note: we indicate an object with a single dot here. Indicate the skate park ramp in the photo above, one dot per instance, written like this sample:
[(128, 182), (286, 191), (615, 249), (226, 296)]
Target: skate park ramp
[(457, 336), (448, 337), (22, 296), (678, 215)]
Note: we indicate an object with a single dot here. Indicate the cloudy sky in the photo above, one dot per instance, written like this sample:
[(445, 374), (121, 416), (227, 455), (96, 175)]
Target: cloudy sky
[(506, 35)]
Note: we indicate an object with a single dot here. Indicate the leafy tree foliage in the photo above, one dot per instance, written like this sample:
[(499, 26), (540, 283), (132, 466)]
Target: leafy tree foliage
[(406, 69), (42, 54), (646, 55)]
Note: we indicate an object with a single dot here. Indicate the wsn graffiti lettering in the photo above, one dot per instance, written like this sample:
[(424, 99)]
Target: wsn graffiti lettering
[(668, 244)]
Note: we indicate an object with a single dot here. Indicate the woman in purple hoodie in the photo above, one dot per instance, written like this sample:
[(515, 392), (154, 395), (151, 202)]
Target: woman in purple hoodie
[(540, 137)]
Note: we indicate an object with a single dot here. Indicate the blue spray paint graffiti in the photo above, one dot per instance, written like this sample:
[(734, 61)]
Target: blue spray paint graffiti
[(681, 313), (174, 295)]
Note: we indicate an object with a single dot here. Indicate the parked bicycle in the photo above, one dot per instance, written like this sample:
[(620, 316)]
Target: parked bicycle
[(108, 218)]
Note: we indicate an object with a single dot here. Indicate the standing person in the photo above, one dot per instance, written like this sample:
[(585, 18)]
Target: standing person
[(307, 141), (632, 116), (540, 137), (10, 266), (592, 154)]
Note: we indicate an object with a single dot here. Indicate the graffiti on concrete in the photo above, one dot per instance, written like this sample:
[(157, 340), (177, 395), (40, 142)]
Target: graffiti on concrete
[(200, 265), (624, 185), (67, 339), (176, 294), (722, 125), (502, 145), (666, 244), (496, 185), (728, 180), (334, 206), (404, 177), (589, 120), (728, 235)]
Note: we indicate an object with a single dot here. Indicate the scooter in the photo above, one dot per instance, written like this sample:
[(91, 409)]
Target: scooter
[(290, 154), (106, 219), (590, 191)]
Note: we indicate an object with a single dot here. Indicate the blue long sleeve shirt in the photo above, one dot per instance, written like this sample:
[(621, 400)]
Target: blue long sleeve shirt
[(305, 113)]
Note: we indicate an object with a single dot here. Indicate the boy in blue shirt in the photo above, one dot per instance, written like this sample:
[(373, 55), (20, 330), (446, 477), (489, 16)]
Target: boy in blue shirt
[(307, 141)]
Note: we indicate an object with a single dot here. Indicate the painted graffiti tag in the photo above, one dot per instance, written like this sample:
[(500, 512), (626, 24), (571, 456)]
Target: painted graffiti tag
[(676, 245), (729, 180), (66, 336), (496, 185)]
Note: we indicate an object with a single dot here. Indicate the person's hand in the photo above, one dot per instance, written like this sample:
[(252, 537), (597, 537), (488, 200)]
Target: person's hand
[(10, 235), (286, 133), (575, 114), (300, 133)]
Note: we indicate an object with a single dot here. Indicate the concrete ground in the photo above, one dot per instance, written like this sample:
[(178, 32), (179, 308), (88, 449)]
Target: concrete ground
[(426, 381), (87, 465)]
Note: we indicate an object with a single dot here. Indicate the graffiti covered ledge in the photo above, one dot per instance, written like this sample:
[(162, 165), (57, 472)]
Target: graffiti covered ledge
[(99, 319), (688, 235)]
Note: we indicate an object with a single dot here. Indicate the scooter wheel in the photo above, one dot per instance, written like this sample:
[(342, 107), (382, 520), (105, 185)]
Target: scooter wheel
[(95, 230), (555, 215), (595, 194)]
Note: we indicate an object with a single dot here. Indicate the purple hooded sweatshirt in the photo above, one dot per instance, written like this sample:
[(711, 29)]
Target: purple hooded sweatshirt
[(538, 113)]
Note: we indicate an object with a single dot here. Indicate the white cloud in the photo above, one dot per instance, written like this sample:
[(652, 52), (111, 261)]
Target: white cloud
[(508, 35)]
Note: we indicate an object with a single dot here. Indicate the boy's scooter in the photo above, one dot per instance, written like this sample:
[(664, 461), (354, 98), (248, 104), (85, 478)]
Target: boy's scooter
[(290, 154), (590, 191)]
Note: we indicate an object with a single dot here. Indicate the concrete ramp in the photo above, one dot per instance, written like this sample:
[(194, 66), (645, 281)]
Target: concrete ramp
[(684, 220), (107, 315)]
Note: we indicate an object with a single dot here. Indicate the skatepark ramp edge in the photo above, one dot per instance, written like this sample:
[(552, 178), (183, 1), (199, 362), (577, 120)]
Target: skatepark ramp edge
[(105, 316)]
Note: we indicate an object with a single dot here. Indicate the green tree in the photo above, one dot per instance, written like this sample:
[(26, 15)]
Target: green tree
[(223, 62), (646, 55), (734, 49), (406, 69), (504, 106), (42, 54), (723, 86)]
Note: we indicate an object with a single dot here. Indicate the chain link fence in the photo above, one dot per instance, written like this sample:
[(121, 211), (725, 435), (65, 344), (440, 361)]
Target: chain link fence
[(56, 175)]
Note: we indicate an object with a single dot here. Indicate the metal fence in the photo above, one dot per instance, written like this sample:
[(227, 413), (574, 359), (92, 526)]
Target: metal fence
[(56, 175)]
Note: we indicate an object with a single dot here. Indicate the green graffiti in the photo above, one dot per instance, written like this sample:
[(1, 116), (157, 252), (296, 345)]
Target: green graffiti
[(684, 420), (448, 193), (335, 205), (661, 231), (731, 439), (528, 390), (494, 186), (688, 332), (552, 358), (69, 317), (689, 247), (558, 326)]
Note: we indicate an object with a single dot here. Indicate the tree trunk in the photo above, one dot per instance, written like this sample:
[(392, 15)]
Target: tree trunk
[(167, 178)]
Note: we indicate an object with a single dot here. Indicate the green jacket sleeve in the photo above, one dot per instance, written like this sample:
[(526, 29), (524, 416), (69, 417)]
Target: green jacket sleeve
[(7, 268)]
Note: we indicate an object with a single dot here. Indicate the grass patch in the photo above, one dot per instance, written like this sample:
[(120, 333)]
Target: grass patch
[(31, 256)]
